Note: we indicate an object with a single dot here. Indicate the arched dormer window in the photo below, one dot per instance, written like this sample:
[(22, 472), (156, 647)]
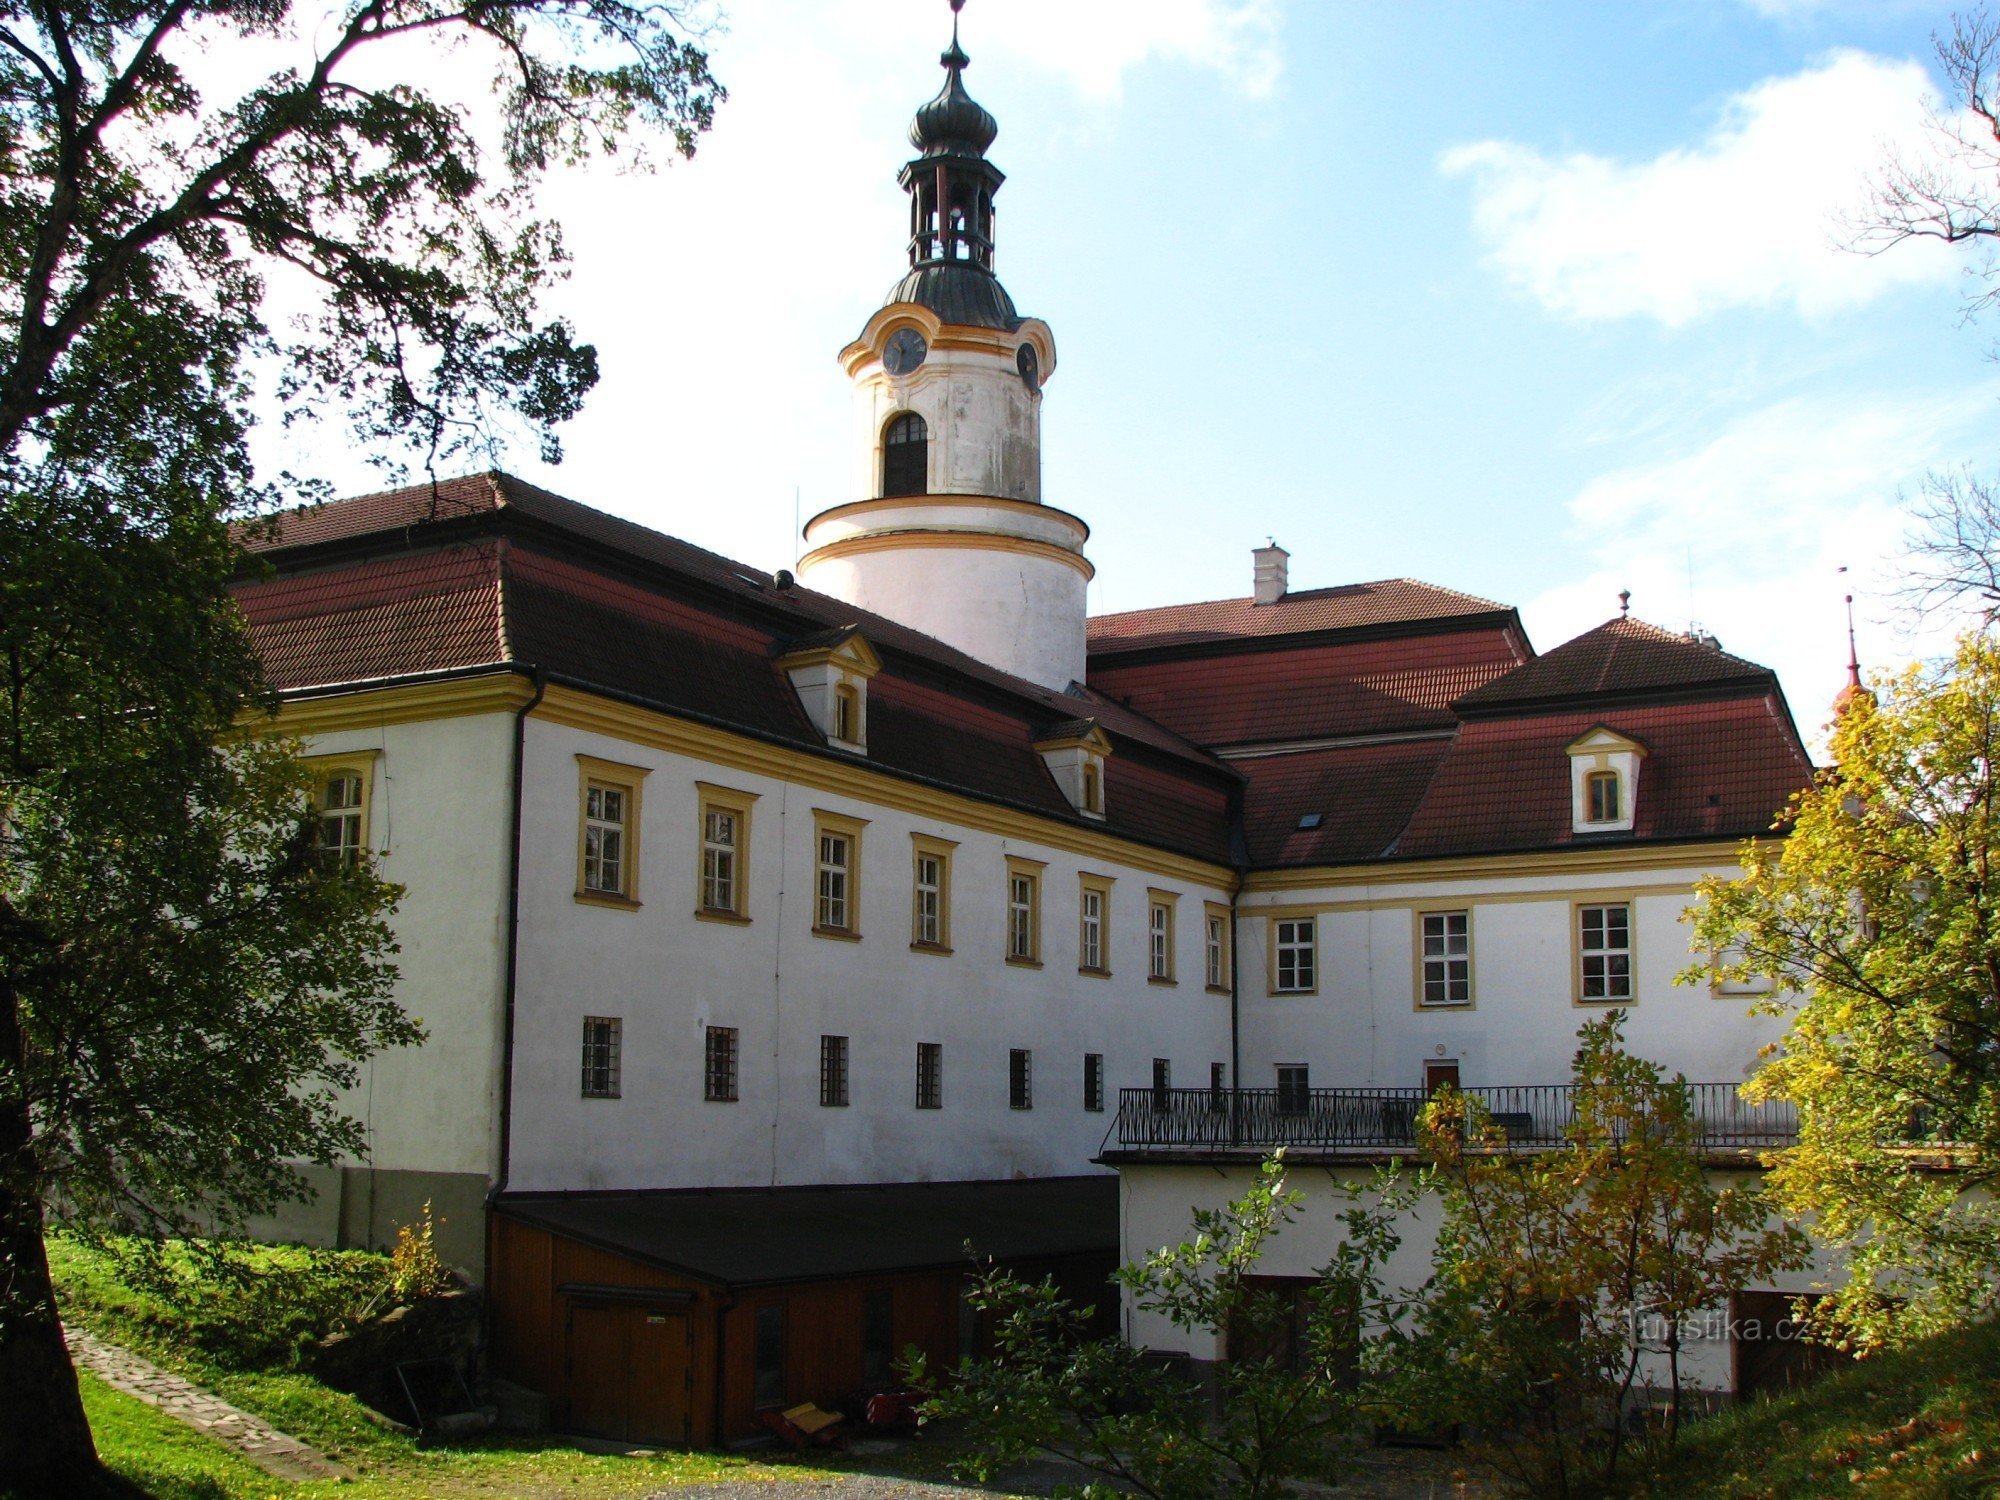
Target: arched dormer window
[(906, 446)]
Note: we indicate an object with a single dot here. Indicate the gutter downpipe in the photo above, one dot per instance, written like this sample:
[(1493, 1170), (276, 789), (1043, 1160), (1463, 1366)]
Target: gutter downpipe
[(1235, 1029), (513, 962)]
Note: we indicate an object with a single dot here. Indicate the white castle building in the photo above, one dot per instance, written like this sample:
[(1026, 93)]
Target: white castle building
[(777, 936)]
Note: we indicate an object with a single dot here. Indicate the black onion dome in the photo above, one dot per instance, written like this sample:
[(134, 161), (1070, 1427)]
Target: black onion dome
[(958, 292), (953, 124)]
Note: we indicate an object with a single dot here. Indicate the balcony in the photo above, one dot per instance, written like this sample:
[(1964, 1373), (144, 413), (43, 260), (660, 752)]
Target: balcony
[(1385, 1119)]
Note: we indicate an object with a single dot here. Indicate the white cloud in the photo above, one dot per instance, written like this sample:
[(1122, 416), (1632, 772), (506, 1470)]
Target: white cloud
[(1763, 516), (1749, 216), (1096, 45)]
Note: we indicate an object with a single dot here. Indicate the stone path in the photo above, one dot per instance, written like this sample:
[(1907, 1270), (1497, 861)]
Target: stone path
[(265, 1446)]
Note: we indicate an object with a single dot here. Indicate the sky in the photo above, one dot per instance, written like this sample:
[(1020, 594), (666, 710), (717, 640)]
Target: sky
[(1539, 301)]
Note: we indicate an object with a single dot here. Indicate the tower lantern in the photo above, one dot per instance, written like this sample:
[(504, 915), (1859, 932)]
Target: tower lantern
[(949, 533)]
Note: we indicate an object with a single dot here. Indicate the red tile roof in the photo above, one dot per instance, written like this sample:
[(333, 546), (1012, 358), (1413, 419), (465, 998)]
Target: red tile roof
[(1721, 768), (1389, 601), (1361, 795), (1371, 685), (488, 571), (1621, 656)]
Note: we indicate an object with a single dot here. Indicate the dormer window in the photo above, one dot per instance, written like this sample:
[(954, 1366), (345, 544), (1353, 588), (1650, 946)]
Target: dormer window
[(830, 673), (1604, 781), (1601, 794), (1074, 752)]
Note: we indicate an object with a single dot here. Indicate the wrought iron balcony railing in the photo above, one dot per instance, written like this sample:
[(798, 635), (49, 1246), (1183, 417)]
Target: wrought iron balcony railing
[(1531, 1115)]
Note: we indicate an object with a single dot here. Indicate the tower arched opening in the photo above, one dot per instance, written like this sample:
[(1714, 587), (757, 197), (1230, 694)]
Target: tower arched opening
[(906, 449)]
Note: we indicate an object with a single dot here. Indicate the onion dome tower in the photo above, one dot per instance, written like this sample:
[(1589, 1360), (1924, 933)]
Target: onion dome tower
[(950, 536)]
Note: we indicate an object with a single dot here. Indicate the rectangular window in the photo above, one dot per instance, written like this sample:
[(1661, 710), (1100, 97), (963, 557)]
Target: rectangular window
[(1160, 937), (1020, 1079), (930, 894), (1294, 1088), (837, 888), (1163, 1080), (719, 1065), (1093, 925), (607, 850), (1601, 794), (833, 1071), (1295, 958), (1093, 1082), (930, 1075), (1218, 1082), (1604, 952), (343, 798), (1447, 958), (1024, 912), (725, 853), (600, 1056), (1215, 946), (768, 1384)]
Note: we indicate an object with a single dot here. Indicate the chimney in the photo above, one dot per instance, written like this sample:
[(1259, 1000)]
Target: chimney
[(1269, 575)]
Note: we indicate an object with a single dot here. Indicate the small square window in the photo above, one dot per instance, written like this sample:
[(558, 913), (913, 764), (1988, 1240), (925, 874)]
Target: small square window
[(1020, 1079), (601, 1038), (833, 1071), (719, 1065)]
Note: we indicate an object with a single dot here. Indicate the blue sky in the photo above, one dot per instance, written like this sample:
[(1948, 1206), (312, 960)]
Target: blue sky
[(1538, 301)]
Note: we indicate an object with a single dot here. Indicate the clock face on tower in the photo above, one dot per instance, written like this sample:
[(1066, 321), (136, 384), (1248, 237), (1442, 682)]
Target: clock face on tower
[(1030, 366), (905, 351)]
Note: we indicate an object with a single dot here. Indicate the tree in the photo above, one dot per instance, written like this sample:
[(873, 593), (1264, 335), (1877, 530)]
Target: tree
[(1563, 1279), (1297, 1385), (1881, 911), (1950, 191), (181, 984)]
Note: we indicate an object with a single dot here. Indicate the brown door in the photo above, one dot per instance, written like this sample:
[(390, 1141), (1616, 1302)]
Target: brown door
[(1438, 1074), (598, 1379), (659, 1376), (1770, 1354)]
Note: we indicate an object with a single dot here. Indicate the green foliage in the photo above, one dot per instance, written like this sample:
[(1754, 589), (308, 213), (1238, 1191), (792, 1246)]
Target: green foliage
[(1560, 1276), (415, 1267), (239, 1306), (1918, 1423), (1882, 910), (1287, 1408)]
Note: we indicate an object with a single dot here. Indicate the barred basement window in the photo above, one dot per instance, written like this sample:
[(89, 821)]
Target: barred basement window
[(719, 1065), (930, 1075), (1020, 1078), (1093, 1082), (833, 1071), (600, 1056)]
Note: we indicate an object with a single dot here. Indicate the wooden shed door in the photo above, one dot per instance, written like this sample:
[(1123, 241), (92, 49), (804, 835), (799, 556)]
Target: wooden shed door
[(628, 1372), (1770, 1357)]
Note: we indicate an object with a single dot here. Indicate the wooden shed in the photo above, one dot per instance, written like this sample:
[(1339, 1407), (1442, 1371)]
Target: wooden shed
[(674, 1317)]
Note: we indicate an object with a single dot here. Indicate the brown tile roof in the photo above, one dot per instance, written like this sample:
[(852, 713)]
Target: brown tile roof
[(1621, 656), (1392, 685), (1362, 796), (1719, 768), (1389, 601), (395, 585)]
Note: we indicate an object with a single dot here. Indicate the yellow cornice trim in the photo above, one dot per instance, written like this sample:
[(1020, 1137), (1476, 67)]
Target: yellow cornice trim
[(942, 537), (942, 335), (987, 502), (409, 703), (1497, 866), (576, 709), (852, 652)]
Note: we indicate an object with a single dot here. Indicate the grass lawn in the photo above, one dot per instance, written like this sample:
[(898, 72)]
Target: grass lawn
[(1921, 1422)]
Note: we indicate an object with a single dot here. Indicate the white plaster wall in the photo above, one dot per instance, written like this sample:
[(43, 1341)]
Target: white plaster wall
[(439, 810), (668, 975), (1158, 1203), (1043, 523), (1017, 611), (1364, 1027), (985, 424)]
